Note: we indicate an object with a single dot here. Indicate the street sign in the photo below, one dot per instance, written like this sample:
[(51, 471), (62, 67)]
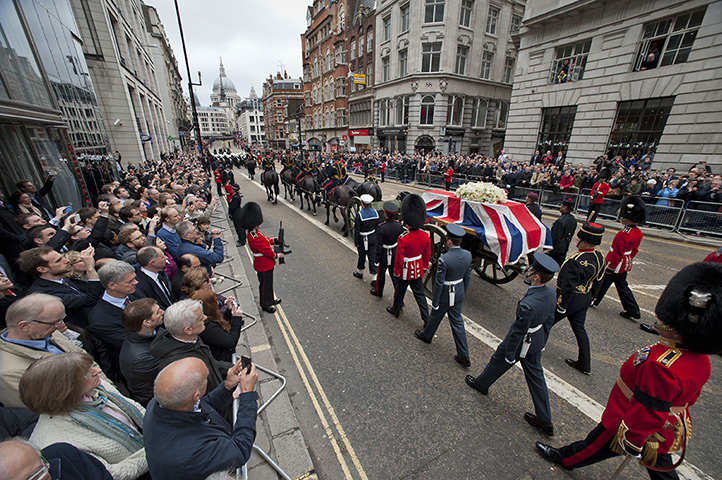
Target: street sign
[(359, 79)]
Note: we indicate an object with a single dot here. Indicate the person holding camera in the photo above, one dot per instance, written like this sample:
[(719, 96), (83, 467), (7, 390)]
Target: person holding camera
[(191, 242)]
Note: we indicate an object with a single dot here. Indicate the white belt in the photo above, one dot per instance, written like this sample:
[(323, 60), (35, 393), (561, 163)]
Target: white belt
[(389, 252), (628, 253), (257, 254), (452, 289), (366, 238), (408, 260), (527, 340)]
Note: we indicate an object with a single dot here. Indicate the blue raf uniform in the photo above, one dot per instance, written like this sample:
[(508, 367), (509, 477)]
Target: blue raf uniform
[(387, 237), (453, 272), (367, 219), (524, 343)]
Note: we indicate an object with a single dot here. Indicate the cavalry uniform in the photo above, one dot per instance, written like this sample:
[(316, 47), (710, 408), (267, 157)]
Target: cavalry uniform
[(338, 176), (387, 238), (269, 163), (288, 162), (306, 169), (574, 290), (367, 220)]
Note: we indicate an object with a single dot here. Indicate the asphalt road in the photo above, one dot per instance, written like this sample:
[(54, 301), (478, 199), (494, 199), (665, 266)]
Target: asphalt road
[(374, 402)]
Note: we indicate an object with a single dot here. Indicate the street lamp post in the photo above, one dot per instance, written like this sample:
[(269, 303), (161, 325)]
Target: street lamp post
[(196, 123), (300, 132)]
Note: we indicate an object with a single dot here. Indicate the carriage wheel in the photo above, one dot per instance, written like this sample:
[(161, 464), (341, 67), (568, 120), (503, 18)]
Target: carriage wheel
[(354, 205), (438, 248), (490, 271)]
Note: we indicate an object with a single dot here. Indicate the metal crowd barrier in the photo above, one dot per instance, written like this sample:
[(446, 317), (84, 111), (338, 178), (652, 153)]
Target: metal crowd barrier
[(233, 283), (702, 217)]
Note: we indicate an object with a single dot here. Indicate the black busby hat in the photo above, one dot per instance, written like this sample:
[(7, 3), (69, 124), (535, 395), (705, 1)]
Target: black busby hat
[(605, 174), (633, 209), (692, 305), (413, 211), (251, 215), (591, 233)]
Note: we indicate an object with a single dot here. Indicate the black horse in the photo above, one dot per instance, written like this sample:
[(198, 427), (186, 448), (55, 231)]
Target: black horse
[(308, 189), (372, 188), (251, 167), (288, 178), (339, 198), (269, 179)]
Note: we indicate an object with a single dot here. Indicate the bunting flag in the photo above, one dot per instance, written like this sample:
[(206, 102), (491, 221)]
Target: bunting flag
[(508, 229)]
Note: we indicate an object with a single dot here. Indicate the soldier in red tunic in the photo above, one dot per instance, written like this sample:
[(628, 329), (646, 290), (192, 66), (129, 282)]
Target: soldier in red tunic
[(647, 414), (596, 200), (264, 258), (413, 252), (619, 259)]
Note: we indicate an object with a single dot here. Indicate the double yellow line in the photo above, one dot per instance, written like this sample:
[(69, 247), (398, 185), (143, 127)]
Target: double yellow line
[(335, 432)]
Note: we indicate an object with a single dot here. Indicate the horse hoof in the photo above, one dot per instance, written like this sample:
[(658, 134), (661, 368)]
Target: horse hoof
[(326, 223)]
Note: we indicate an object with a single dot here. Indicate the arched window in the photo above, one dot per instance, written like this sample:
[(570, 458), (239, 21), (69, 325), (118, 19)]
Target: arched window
[(384, 112), (370, 40), (331, 116), (427, 111), (353, 49), (502, 112), (331, 84), (455, 113), (402, 111), (478, 112), (341, 17), (328, 59), (361, 44)]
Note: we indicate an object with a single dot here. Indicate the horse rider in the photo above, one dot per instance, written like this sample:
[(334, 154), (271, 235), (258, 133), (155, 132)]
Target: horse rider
[(413, 253), (269, 163), (338, 175), (387, 237), (367, 220), (307, 167), (287, 162)]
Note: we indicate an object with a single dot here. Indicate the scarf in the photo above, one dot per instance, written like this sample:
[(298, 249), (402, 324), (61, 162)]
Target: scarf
[(91, 416)]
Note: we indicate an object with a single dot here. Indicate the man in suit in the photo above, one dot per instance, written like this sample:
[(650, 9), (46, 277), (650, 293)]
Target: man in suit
[(234, 211), (536, 158), (453, 273), (37, 197), (152, 280), (47, 267), (563, 230), (525, 341), (185, 263), (104, 320)]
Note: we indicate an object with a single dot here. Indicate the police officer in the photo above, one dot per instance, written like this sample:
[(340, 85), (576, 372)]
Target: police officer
[(525, 341), (413, 253), (453, 273), (367, 219), (647, 414), (625, 247), (234, 211), (387, 238), (563, 230), (574, 289)]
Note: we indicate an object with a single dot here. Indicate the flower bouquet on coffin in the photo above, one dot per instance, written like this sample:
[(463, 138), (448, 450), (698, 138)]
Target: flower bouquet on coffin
[(481, 192)]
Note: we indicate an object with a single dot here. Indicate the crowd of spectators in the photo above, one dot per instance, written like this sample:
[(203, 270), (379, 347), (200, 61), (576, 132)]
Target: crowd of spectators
[(99, 306)]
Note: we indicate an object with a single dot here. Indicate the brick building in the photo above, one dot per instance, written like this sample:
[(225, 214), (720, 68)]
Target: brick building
[(278, 92)]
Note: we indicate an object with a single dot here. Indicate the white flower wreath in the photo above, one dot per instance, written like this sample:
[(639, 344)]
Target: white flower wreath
[(481, 192)]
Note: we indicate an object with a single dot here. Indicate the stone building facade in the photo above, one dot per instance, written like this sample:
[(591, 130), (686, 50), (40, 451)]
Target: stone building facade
[(443, 74), (278, 93), (250, 120), (587, 85)]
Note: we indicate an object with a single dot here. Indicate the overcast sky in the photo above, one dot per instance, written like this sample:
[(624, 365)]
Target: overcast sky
[(251, 36)]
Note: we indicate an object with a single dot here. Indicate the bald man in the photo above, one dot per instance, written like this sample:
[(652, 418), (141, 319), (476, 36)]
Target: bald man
[(203, 442), (20, 460)]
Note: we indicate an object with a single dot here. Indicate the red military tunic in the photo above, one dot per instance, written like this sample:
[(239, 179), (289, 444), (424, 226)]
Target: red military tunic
[(599, 190), (654, 380), (625, 247), (264, 258), (449, 173), (412, 255)]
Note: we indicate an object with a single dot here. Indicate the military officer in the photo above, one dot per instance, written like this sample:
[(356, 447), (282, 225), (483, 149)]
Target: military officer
[(525, 341), (647, 414), (337, 176), (453, 273), (574, 289), (621, 254), (413, 253), (306, 169), (367, 219), (387, 238), (269, 163), (563, 230), (287, 162), (264, 258)]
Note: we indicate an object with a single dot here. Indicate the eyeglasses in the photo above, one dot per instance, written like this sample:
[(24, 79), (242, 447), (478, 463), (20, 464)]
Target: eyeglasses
[(40, 473), (57, 322)]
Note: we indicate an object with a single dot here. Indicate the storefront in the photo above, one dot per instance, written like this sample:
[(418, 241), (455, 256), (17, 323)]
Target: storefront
[(360, 140), (393, 140), (314, 144)]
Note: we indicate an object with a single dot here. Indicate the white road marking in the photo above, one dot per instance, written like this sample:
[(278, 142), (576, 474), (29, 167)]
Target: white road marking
[(648, 287), (575, 397)]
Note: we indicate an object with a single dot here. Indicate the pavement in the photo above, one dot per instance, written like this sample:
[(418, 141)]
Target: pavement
[(278, 432)]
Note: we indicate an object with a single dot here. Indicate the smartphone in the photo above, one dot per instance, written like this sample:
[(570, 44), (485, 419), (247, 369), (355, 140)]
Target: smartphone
[(236, 304), (68, 209), (246, 363)]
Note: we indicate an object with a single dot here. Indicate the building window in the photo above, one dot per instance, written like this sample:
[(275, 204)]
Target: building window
[(353, 49), (431, 57), (369, 75), (403, 62), (434, 11), (385, 66), (638, 125), (461, 53), (486, 60), (427, 111), (478, 112), (370, 41), (361, 38), (405, 18), (502, 113), (466, 8), (670, 39), (340, 87), (387, 28), (340, 54), (455, 113), (508, 70), (556, 129), (402, 111), (570, 62), (491, 20), (330, 88), (384, 112)]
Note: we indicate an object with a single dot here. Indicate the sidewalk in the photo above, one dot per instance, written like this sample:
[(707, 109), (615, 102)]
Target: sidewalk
[(278, 431)]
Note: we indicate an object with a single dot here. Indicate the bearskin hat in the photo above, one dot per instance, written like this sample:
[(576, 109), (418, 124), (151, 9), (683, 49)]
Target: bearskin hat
[(605, 174), (413, 211), (251, 215), (692, 305), (633, 209)]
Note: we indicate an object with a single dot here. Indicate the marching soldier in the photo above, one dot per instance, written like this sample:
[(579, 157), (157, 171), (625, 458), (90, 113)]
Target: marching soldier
[(574, 290), (619, 259), (367, 219), (264, 258), (525, 342), (387, 239), (647, 414), (563, 230), (453, 273), (413, 253)]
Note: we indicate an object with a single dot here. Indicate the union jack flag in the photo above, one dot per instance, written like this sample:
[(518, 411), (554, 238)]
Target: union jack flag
[(508, 229)]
